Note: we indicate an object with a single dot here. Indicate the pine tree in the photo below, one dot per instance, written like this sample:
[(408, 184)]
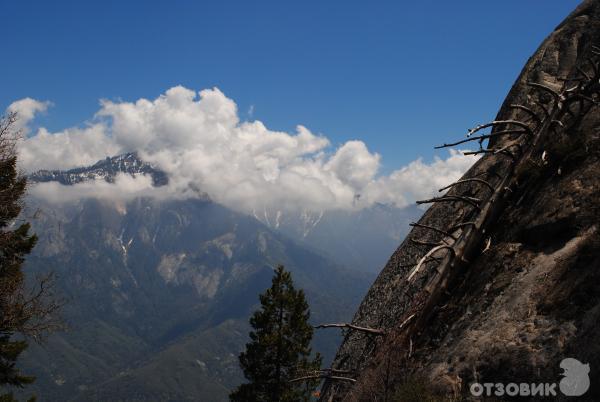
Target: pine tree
[(279, 346), (20, 312)]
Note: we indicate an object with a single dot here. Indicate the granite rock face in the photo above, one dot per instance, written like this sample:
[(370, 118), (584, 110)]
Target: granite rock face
[(530, 295)]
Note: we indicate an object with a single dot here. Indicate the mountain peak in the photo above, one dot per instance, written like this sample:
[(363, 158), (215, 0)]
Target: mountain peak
[(107, 169)]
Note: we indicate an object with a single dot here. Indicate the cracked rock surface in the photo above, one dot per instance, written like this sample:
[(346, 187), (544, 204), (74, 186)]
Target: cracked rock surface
[(532, 298)]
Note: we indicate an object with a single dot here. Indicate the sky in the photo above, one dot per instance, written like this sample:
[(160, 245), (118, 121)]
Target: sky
[(399, 77)]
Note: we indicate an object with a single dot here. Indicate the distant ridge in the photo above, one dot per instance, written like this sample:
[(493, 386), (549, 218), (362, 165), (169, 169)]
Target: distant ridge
[(106, 169)]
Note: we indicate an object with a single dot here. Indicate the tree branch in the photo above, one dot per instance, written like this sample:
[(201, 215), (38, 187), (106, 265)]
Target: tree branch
[(422, 260), (420, 225), (452, 198), (317, 376), (482, 137), (487, 184), (353, 327), (529, 111), (557, 97)]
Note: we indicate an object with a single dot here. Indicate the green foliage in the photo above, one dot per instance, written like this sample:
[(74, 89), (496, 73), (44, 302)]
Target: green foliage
[(280, 346)]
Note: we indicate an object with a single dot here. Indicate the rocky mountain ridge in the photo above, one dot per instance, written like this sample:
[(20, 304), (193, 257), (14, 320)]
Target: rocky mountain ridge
[(107, 169), (161, 289), (499, 282), (358, 239)]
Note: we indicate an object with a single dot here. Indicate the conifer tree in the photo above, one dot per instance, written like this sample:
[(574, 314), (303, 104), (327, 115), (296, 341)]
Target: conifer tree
[(279, 346), (20, 311)]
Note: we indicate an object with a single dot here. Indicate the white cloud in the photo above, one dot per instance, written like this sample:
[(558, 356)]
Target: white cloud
[(201, 143), (419, 180), (124, 188), (66, 149), (26, 110)]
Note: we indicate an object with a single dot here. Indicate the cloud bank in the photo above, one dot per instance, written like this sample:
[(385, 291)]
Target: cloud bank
[(200, 142), (124, 188)]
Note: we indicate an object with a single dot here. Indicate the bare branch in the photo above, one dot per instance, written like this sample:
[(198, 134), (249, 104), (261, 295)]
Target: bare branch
[(415, 263), (494, 151), (468, 181), (587, 77), (541, 106), (353, 327), (483, 137), (405, 322), (420, 225), (322, 375), (556, 95), (452, 198), (529, 111), (594, 66), (499, 123), (422, 261), (426, 243)]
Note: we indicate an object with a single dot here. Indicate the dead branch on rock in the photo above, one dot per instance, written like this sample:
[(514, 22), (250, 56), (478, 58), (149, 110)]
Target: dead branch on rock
[(411, 265), (580, 70), (529, 111), (487, 184), (541, 106), (557, 97), (405, 322), (328, 373), (594, 66), (353, 327), (494, 151), (426, 243), (483, 137), (499, 123), (420, 225), (452, 198), (322, 375), (461, 225), (422, 260)]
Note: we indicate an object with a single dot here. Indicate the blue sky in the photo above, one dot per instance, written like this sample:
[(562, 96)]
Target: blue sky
[(401, 76)]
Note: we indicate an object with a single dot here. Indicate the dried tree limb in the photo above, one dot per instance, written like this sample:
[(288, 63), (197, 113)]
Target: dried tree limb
[(487, 184), (461, 225), (410, 317), (541, 106), (587, 77), (420, 225), (529, 111), (499, 123), (426, 243), (556, 95), (317, 376), (494, 151), (415, 263), (422, 260), (594, 66), (451, 198), (373, 331), (483, 137), (587, 98)]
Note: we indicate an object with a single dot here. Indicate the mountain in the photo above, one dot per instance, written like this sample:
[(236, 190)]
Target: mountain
[(105, 169), (159, 292), (360, 239), (504, 286)]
